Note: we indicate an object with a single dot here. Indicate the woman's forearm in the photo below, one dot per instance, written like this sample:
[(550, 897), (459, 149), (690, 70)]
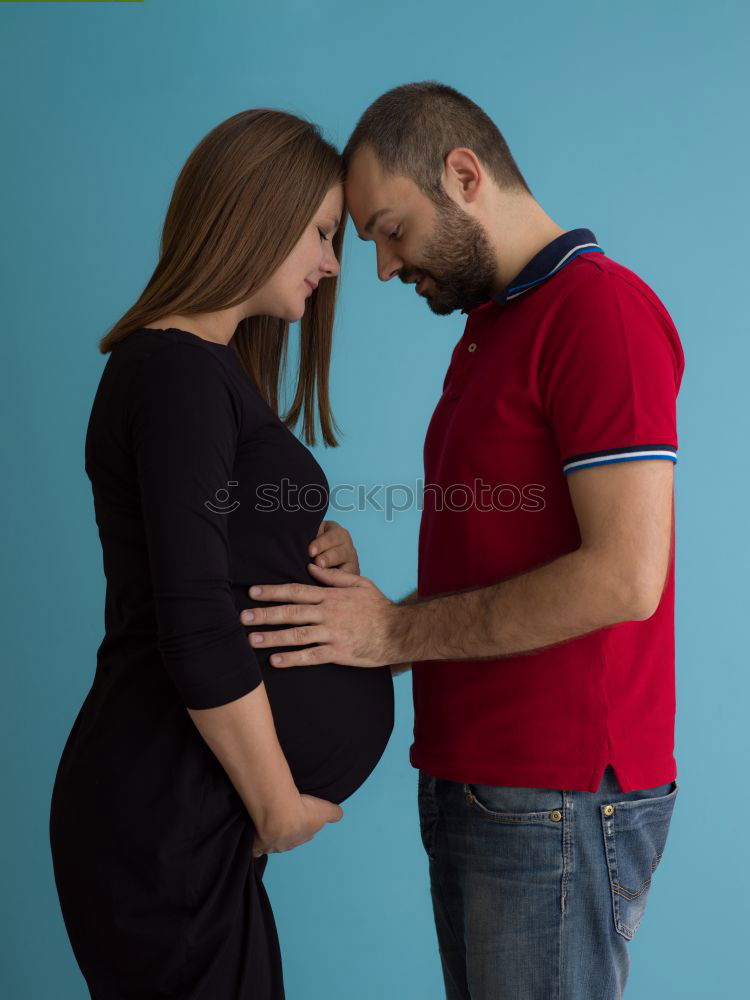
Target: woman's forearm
[(242, 736)]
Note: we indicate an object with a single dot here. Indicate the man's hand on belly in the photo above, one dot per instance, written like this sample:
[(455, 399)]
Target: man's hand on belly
[(349, 619), (618, 574)]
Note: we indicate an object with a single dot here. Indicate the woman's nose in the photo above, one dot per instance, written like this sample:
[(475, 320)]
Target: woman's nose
[(331, 265)]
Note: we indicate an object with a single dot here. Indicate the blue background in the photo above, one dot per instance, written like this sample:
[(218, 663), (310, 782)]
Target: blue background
[(628, 119)]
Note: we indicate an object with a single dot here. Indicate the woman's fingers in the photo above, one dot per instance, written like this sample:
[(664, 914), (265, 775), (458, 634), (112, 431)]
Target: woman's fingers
[(333, 547), (336, 555), (334, 577), (329, 535), (315, 814)]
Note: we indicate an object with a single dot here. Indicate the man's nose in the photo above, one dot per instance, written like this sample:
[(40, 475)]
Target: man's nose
[(388, 266)]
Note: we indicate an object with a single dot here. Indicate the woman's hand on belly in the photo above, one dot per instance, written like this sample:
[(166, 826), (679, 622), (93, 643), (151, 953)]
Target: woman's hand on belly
[(333, 548), (296, 827)]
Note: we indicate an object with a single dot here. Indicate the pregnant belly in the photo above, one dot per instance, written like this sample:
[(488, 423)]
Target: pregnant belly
[(333, 723)]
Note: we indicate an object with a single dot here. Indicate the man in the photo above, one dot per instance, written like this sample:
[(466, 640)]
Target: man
[(542, 630)]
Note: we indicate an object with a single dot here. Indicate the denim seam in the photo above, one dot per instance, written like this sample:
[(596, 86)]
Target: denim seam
[(626, 894), (537, 817), (610, 845), (436, 878), (428, 811), (567, 846), (567, 866)]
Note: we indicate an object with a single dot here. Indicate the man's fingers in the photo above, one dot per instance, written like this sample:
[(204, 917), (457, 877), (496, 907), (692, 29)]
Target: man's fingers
[(283, 614), (333, 577), (292, 593), (300, 636), (303, 657)]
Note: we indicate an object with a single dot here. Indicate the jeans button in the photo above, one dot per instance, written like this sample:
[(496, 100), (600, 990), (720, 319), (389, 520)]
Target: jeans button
[(609, 810), (555, 815)]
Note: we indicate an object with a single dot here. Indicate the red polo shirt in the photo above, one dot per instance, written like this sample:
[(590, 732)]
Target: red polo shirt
[(576, 364)]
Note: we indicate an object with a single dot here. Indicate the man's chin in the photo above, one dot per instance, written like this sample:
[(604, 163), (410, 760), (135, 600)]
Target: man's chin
[(440, 307), (440, 310)]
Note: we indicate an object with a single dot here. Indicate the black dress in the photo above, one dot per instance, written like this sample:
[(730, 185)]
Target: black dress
[(199, 492)]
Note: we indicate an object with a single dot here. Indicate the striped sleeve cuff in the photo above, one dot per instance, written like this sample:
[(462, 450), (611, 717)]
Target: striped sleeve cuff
[(635, 454)]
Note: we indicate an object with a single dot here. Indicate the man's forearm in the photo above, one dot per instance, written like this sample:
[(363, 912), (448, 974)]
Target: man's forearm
[(401, 668), (573, 595)]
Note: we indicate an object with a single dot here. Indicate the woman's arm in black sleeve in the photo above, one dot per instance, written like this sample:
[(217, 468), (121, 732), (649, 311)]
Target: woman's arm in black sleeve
[(185, 423)]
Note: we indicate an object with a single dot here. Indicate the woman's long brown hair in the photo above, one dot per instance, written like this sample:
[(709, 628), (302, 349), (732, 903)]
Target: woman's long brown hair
[(241, 202)]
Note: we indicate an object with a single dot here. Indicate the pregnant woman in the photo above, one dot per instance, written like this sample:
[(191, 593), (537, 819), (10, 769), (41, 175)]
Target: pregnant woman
[(191, 758)]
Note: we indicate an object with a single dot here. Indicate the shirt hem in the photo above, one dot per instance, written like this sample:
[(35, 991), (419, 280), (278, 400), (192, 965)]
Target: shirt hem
[(579, 780)]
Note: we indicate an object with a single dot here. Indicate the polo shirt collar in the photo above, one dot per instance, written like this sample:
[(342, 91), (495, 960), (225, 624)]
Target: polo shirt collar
[(549, 261)]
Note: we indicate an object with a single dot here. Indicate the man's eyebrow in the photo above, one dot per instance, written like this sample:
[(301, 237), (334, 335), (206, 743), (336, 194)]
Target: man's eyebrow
[(373, 219)]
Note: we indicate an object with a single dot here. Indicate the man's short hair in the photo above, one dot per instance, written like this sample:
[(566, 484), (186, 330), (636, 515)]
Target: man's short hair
[(412, 128)]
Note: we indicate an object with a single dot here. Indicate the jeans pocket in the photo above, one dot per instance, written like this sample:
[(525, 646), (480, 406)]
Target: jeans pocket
[(635, 835), (516, 806)]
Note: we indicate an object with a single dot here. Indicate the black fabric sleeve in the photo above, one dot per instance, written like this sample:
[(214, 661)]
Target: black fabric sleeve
[(185, 423)]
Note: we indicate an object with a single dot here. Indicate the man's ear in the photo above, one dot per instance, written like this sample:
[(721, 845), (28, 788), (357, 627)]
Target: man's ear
[(463, 174)]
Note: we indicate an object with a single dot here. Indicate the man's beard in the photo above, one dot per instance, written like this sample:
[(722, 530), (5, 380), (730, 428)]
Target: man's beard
[(460, 262)]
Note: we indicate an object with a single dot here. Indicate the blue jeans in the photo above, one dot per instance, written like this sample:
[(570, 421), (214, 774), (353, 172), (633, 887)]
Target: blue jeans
[(537, 892)]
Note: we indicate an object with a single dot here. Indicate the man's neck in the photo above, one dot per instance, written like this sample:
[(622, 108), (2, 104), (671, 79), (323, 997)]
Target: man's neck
[(522, 228)]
